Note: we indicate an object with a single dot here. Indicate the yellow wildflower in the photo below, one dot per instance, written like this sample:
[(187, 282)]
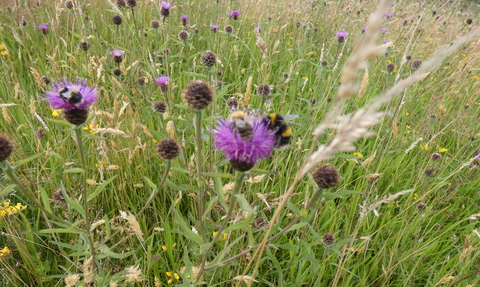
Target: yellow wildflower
[(305, 78), (165, 248), (56, 113), (475, 77), (4, 252), (1, 47), (407, 113), (442, 149), (90, 128), (223, 237), (4, 53), (424, 147), (172, 276), (7, 209), (358, 154)]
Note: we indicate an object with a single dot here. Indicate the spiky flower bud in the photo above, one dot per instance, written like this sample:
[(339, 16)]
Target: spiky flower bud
[(229, 29), (155, 24), (168, 149), (131, 3), (76, 116), (241, 165), (324, 63), (117, 72), (436, 156), (117, 19), (165, 12), (421, 206), (232, 103), (121, 3), (183, 35), (415, 64), (390, 67), (58, 197), (408, 57), (469, 21), (263, 90), (326, 176), (160, 107), (141, 81), (209, 59), (6, 147), (166, 52), (69, 4), (328, 239), (429, 171), (40, 134), (198, 95), (84, 45)]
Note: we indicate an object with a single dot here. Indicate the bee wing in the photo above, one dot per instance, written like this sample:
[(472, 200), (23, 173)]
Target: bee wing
[(288, 119)]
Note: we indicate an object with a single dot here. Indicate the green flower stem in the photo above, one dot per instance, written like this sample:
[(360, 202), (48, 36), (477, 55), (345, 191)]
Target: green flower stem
[(200, 183), (155, 193), (9, 172), (77, 136), (240, 176), (316, 196)]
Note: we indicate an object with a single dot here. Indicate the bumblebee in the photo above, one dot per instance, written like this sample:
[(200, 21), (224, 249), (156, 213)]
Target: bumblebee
[(283, 133), (242, 125), (71, 96)]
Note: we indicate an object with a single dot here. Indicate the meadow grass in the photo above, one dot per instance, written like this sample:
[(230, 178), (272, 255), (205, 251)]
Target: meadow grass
[(405, 212)]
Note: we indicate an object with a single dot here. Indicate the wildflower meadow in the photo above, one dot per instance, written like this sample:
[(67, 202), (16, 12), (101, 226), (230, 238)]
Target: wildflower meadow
[(239, 143)]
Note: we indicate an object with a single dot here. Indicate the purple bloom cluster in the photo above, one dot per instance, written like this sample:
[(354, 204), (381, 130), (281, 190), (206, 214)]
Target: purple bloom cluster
[(43, 27), (383, 30), (162, 80), (342, 34), (64, 87), (214, 28), (117, 53), (234, 14), (389, 15), (166, 5), (184, 18), (229, 141)]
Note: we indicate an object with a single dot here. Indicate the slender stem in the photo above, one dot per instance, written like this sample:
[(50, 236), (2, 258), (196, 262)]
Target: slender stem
[(9, 171), (77, 135), (155, 193), (316, 196), (200, 184), (238, 184)]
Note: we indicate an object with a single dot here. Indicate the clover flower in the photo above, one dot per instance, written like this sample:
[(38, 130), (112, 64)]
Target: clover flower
[(244, 154), (61, 95)]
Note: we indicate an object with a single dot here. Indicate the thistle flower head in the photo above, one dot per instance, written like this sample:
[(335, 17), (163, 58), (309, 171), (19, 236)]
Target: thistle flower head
[(198, 95), (383, 30), (234, 14), (342, 34), (162, 80), (117, 53), (214, 28), (168, 149), (166, 5), (244, 154), (6, 147), (326, 176), (389, 15), (44, 28), (184, 18), (67, 95)]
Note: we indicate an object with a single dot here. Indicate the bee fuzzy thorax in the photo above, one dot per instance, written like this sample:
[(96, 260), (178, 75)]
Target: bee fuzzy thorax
[(71, 96)]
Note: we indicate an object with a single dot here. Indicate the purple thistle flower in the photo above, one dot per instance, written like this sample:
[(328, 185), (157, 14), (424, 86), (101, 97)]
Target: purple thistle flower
[(166, 5), (389, 15), (341, 36), (162, 80), (383, 30), (234, 14), (214, 28), (258, 28), (184, 18), (249, 152), (364, 29), (44, 28), (386, 41), (68, 96), (438, 16), (117, 53)]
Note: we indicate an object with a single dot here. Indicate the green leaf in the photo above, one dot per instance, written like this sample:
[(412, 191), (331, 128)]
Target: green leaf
[(340, 194), (59, 230), (7, 189), (240, 225), (59, 122), (75, 247), (244, 204), (72, 203), (74, 170), (26, 160), (217, 174), (100, 188), (185, 229), (182, 170), (297, 226), (149, 182), (196, 75), (182, 187)]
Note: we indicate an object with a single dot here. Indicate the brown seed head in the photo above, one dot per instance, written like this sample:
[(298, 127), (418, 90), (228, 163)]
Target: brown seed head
[(6, 147), (421, 206), (469, 21), (229, 29), (141, 81), (155, 24), (198, 95), (121, 3), (390, 67), (324, 63), (326, 176), (160, 107), (414, 65), (76, 116), (328, 239), (84, 45), (165, 12), (436, 156), (209, 59), (183, 35), (132, 3), (263, 90), (168, 149), (117, 19), (69, 4)]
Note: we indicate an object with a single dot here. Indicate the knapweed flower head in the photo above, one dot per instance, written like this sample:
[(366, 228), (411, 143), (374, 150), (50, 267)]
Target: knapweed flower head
[(117, 53), (364, 29), (383, 30), (166, 5), (389, 15), (341, 36), (184, 19), (214, 28), (234, 14), (162, 81), (68, 96), (44, 28), (244, 154), (6, 147)]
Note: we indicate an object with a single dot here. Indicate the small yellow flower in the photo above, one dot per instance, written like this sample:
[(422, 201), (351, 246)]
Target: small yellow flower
[(56, 113), (475, 78), (169, 274), (176, 276), (415, 196), (407, 113), (424, 147), (1, 47), (442, 149), (305, 78), (223, 237), (4, 53), (5, 251), (164, 248), (90, 128), (170, 281), (296, 73), (358, 154)]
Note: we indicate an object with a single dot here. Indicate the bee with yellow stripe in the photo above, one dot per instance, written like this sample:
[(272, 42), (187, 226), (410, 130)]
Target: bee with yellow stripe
[(283, 133), (243, 125)]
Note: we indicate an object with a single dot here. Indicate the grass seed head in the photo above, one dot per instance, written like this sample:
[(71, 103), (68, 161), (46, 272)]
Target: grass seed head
[(6, 147), (198, 95), (326, 176), (168, 149)]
